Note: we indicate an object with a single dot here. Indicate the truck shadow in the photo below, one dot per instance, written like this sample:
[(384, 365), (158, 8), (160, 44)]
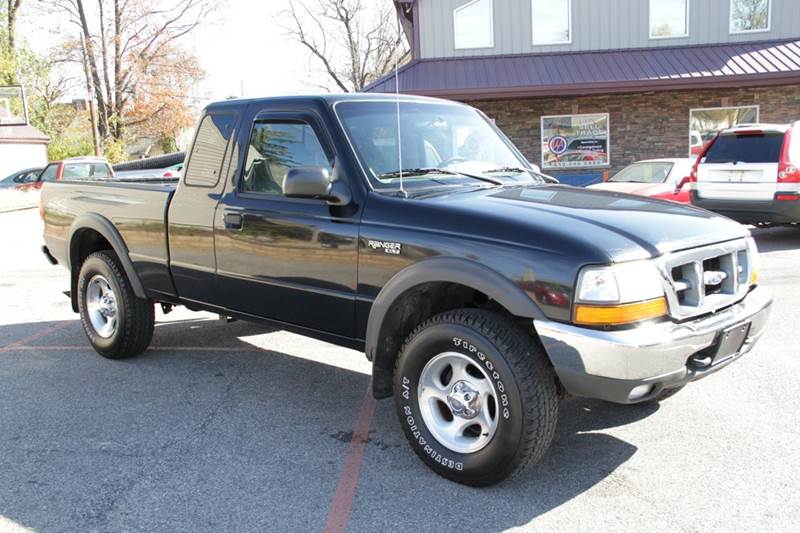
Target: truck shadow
[(777, 239), (239, 438)]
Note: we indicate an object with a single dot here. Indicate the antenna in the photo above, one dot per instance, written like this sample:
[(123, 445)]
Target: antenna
[(397, 101)]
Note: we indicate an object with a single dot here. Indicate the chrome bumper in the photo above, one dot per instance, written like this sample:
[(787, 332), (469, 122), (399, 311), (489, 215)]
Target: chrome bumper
[(634, 365)]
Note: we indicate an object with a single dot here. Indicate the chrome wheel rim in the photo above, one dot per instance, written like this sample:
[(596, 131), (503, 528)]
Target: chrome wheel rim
[(101, 306), (458, 402)]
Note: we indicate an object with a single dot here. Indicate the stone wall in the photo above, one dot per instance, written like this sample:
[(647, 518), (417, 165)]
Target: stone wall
[(643, 125)]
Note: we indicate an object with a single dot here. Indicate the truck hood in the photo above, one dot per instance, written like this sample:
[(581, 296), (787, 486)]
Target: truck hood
[(623, 226)]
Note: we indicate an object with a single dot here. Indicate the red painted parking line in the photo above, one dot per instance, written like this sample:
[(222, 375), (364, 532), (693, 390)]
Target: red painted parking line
[(36, 336), (342, 504), (238, 349)]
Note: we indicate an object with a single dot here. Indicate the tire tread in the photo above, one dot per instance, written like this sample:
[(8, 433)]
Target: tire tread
[(532, 371), (139, 322)]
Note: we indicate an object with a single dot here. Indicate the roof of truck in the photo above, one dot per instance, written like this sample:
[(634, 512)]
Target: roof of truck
[(329, 99)]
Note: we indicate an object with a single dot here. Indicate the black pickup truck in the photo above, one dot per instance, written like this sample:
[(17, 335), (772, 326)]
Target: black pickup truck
[(412, 229)]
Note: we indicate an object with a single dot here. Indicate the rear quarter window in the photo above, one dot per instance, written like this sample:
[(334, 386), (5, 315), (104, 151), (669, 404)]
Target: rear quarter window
[(208, 151), (746, 149), (50, 173)]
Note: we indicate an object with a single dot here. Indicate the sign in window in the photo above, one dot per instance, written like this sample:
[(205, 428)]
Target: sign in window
[(704, 124), (575, 141)]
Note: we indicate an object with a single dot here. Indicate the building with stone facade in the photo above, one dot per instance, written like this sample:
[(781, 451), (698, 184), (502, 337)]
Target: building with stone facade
[(585, 87)]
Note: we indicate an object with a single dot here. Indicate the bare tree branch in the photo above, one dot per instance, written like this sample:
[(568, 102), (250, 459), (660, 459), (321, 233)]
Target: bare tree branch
[(366, 42)]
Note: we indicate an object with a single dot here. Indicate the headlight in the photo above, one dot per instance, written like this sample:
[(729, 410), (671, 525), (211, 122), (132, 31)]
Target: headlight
[(619, 294), (753, 261)]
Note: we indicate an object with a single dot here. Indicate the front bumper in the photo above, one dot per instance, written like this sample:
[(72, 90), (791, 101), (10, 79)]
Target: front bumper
[(635, 365)]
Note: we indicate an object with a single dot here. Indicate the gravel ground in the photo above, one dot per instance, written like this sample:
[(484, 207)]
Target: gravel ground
[(233, 427)]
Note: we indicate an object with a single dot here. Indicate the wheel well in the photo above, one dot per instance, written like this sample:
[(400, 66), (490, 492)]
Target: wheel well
[(410, 309), (84, 243)]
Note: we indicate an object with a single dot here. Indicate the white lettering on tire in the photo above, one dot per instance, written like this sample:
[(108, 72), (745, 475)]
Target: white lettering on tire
[(501, 388)]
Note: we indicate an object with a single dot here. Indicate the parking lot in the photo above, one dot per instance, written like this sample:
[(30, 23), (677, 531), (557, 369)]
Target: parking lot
[(233, 427)]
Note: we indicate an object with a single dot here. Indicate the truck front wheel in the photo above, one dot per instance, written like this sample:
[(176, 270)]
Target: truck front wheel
[(476, 396), (117, 322)]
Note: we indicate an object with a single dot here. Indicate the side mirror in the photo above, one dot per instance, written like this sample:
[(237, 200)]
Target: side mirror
[(681, 184), (316, 182), (307, 182)]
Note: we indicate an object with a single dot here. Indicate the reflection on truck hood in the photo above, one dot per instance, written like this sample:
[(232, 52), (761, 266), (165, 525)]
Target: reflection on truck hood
[(654, 225)]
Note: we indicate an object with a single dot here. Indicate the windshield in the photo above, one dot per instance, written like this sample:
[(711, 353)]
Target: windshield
[(643, 173), (441, 144)]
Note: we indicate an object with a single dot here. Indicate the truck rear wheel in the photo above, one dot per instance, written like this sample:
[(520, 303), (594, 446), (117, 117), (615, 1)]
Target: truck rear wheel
[(117, 322), (476, 396)]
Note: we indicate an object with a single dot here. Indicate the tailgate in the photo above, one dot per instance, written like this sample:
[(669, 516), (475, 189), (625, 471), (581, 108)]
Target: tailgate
[(741, 166), (741, 181)]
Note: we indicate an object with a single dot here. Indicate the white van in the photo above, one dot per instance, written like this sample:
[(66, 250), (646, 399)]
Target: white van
[(750, 174)]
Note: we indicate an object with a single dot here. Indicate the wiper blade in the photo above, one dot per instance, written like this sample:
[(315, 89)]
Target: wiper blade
[(414, 172), (505, 170), (411, 172)]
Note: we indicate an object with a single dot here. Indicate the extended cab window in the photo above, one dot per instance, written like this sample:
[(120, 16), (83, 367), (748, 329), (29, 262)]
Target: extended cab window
[(86, 171), (274, 149), (208, 151), (50, 173)]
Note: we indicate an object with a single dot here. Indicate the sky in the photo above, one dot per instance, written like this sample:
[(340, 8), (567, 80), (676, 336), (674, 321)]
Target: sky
[(243, 50)]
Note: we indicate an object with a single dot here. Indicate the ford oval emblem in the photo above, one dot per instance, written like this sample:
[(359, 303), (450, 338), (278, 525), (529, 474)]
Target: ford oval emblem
[(714, 277)]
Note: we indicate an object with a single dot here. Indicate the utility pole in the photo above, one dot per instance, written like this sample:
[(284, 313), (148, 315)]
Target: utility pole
[(90, 99)]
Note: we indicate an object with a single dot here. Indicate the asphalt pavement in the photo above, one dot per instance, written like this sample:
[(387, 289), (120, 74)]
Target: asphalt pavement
[(235, 427)]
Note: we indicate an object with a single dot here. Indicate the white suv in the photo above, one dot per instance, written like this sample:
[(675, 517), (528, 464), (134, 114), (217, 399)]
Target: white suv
[(750, 174)]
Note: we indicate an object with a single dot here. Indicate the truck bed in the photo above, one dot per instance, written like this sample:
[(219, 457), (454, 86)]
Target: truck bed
[(136, 207)]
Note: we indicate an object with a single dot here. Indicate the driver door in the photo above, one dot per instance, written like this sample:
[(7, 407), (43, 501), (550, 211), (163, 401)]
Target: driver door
[(286, 259)]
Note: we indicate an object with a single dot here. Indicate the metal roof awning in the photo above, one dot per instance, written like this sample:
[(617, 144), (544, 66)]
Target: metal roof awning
[(598, 72)]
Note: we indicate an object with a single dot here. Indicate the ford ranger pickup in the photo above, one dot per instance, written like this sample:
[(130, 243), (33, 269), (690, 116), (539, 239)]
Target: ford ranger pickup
[(412, 229)]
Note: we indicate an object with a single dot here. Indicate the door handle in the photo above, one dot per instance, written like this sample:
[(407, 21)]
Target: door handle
[(233, 220)]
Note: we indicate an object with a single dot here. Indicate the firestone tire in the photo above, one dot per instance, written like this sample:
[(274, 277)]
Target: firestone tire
[(118, 323), (515, 406)]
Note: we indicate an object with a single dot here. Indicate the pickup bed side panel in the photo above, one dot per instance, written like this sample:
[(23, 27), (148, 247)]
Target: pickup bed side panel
[(136, 210)]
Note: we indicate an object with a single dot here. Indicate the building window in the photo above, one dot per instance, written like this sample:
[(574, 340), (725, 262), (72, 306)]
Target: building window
[(669, 19), (473, 26), (705, 123), (750, 16), (552, 21), (575, 141)]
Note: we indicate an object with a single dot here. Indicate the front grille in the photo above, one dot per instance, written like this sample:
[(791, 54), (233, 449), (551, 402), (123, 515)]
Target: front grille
[(704, 280)]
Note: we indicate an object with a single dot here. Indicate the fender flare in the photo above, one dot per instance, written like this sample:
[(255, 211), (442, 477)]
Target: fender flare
[(438, 269), (106, 228)]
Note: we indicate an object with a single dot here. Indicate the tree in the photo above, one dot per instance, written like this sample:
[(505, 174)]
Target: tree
[(353, 44), (44, 86), (8, 47), (132, 46)]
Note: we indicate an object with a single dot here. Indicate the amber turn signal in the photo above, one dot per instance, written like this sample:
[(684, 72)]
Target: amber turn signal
[(616, 315)]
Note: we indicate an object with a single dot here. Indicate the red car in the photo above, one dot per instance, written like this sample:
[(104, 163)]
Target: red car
[(75, 168), (656, 178)]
